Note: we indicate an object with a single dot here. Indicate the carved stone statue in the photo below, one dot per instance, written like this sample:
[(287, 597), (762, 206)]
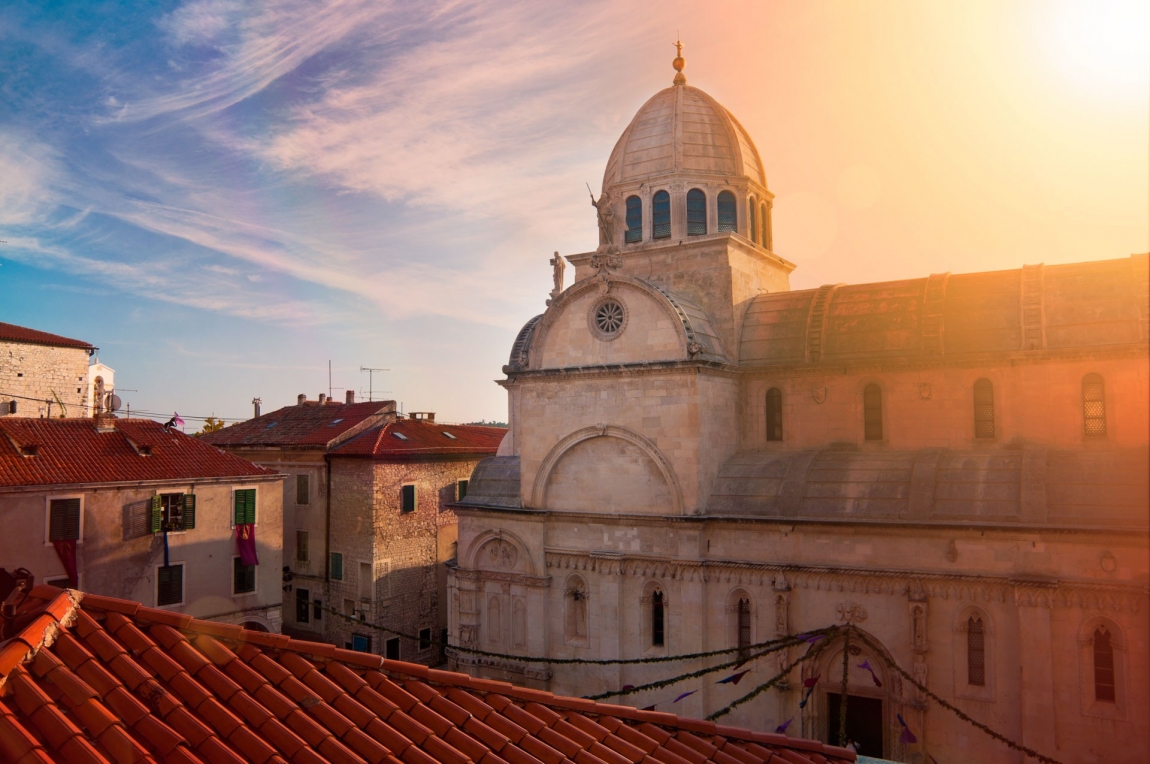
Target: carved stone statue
[(558, 265), (98, 396), (605, 210)]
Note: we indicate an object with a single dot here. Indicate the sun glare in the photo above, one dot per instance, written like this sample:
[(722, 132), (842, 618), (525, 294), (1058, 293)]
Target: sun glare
[(1103, 45)]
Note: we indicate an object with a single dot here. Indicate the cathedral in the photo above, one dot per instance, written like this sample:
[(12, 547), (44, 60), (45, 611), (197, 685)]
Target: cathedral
[(701, 458)]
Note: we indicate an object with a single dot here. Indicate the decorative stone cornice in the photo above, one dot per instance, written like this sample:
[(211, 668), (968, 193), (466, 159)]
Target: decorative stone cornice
[(466, 574), (541, 674), (922, 586)]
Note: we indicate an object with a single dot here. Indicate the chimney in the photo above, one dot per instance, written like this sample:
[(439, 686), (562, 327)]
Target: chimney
[(349, 396), (256, 405), (105, 421), (300, 399), (322, 399)]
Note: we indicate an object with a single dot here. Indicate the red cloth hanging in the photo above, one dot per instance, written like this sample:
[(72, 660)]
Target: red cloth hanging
[(246, 543), (66, 551)]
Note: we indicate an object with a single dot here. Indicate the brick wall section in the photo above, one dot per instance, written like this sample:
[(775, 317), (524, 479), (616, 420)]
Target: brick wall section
[(405, 550), (35, 371)]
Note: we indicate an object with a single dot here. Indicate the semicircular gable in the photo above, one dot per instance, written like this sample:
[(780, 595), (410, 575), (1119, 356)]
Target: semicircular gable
[(500, 551)]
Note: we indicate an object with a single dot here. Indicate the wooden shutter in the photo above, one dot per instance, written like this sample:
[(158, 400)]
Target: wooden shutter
[(64, 520), (301, 489), (245, 506), (157, 513), (302, 605), (170, 585), (243, 577), (189, 511), (337, 566)]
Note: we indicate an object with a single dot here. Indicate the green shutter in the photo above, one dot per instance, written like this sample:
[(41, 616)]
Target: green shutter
[(337, 566), (461, 491), (189, 511), (245, 506), (157, 513)]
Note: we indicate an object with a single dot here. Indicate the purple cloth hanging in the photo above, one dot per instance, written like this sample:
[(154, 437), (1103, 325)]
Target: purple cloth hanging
[(246, 544)]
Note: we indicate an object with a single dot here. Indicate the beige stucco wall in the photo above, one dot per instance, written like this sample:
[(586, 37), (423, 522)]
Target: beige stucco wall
[(43, 373), (117, 556)]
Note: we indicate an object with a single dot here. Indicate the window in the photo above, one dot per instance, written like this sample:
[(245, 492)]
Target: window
[(245, 506), (744, 628), (460, 490), (349, 607), (1094, 405), (169, 585), (317, 609), (658, 612), (243, 577), (661, 215), (302, 606), (449, 436), (366, 583), (424, 639), (872, 412), (391, 649), (752, 219), (302, 494), (407, 498), (728, 218), (400, 435), (337, 566), (64, 520), (1103, 666), (696, 212), (173, 512), (765, 222), (634, 220), (576, 617), (301, 543), (610, 317), (774, 414), (361, 643), (983, 409), (975, 652)]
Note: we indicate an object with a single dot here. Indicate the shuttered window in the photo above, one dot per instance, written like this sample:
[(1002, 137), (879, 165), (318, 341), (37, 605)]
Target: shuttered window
[(243, 577), (872, 412), (302, 606), (64, 520), (1103, 666), (461, 490), (302, 553), (658, 613), (983, 409), (245, 506), (696, 212), (728, 217), (661, 215), (634, 220), (407, 498), (1094, 404), (302, 494), (169, 585), (975, 653), (774, 414), (337, 566), (173, 512)]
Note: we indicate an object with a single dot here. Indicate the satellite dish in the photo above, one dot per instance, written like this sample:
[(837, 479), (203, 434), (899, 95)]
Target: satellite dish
[(112, 402)]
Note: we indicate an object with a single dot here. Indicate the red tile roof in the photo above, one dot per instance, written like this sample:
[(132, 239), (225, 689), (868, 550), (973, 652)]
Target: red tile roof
[(99, 679), (70, 451), (15, 333), (307, 425), (406, 438)]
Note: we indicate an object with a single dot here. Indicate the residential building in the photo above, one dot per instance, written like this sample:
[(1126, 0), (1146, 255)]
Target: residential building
[(46, 375), (92, 678), (127, 508), (700, 458)]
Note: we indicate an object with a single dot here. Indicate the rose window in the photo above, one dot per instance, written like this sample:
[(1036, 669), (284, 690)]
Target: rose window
[(609, 317)]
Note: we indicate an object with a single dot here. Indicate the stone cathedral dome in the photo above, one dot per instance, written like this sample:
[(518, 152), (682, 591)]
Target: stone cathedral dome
[(682, 130)]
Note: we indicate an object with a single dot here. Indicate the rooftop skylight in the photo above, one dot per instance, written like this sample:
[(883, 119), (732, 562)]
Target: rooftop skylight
[(400, 435), (448, 435)]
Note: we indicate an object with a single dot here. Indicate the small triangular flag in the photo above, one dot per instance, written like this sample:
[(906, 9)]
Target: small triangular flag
[(685, 694), (734, 678)]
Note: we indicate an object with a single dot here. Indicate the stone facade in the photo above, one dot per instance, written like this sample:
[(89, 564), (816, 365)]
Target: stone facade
[(33, 374), (714, 438)]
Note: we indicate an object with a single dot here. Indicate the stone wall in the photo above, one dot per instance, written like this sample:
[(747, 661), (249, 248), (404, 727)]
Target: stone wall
[(43, 373)]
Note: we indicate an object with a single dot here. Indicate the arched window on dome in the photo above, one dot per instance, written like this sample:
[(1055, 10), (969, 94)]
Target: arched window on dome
[(774, 414), (728, 215), (661, 215), (753, 220), (696, 212), (765, 222), (634, 220)]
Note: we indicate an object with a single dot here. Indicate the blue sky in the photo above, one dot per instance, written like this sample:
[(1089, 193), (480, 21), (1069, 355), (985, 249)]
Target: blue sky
[(225, 195)]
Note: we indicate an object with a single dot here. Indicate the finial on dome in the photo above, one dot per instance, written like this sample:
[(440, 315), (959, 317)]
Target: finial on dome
[(679, 63)]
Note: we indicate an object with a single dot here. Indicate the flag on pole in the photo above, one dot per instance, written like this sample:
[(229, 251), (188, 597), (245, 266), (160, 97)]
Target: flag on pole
[(734, 678)]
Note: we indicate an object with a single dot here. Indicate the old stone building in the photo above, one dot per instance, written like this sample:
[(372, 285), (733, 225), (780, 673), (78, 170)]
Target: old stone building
[(295, 441), (127, 508), (46, 375), (700, 458)]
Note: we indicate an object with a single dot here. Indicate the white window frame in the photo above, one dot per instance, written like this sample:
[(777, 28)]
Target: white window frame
[(183, 584), (48, 515), (233, 575), (295, 555), (232, 504), (161, 493)]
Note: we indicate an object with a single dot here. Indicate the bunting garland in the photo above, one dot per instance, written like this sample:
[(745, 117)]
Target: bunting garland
[(734, 678), (684, 695), (907, 737), (866, 665), (782, 728)]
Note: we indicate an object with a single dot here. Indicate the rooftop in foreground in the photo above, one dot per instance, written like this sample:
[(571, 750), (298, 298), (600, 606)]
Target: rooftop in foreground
[(96, 679)]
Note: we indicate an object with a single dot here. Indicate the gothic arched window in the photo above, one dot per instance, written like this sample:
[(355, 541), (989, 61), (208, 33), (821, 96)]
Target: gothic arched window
[(752, 220), (634, 220), (728, 215), (519, 623), (1103, 666), (576, 608), (658, 625), (661, 215), (975, 652), (774, 414), (494, 620), (872, 412), (1094, 405), (744, 627), (983, 409), (696, 212), (766, 218)]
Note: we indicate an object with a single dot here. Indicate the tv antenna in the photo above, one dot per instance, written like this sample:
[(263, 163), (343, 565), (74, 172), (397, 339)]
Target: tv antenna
[(370, 374)]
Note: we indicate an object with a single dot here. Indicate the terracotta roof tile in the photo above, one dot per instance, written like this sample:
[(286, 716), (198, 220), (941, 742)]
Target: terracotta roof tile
[(416, 437), (126, 685), (14, 333), (307, 425)]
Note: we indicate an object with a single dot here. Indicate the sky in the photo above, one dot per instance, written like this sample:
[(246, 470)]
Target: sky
[(224, 196)]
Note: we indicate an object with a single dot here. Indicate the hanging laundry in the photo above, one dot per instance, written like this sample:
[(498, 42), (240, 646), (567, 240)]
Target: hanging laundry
[(66, 551), (246, 544)]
